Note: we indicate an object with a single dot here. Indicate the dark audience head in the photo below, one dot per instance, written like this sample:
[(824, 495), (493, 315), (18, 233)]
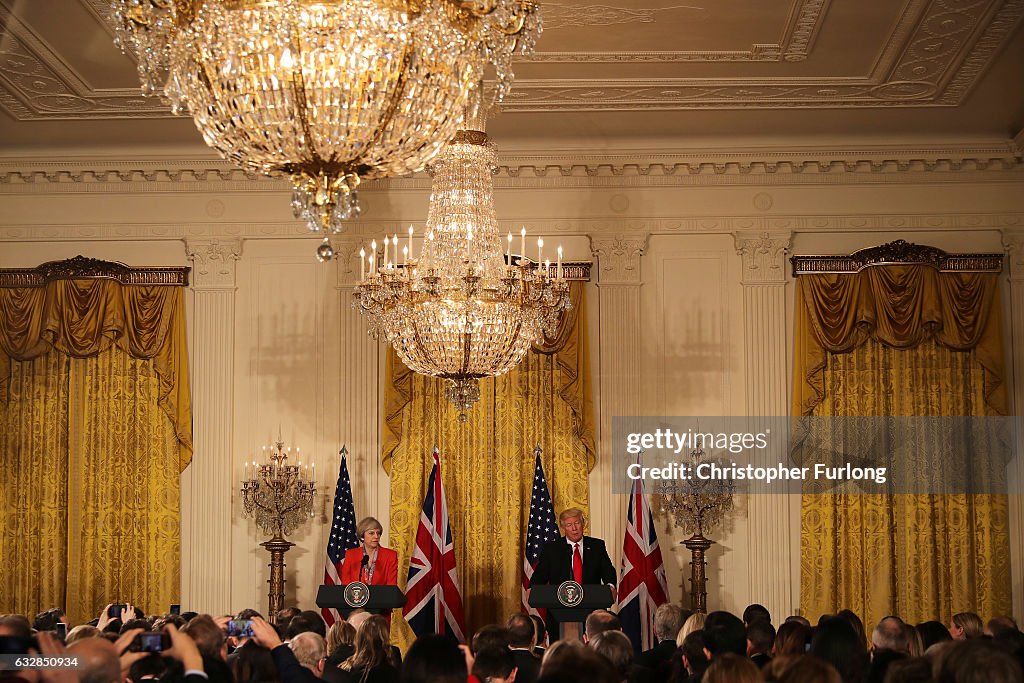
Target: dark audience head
[(724, 632), (808, 669), (835, 641), (851, 618), (979, 661), (668, 619), (890, 634), (995, 626), (494, 663), (247, 614), (316, 622), (599, 621), (909, 670), (760, 637), (695, 659), (253, 664), (575, 664), (880, 662), (792, 638), (491, 635), (933, 632), (15, 625), (756, 612), (521, 632), (540, 628), (799, 619), (135, 623), (288, 613), (729, 667), (209, 638), (616, 648), (297, 625), (434, 659), (47, 621)]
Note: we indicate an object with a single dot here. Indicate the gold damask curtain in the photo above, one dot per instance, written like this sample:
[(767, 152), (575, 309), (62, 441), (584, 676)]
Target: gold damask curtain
[(901, 341), (487, 463), (92, 440)]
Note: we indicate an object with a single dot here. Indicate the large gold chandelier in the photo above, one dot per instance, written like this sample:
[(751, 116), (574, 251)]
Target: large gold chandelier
[(462, 308), (329, 92)]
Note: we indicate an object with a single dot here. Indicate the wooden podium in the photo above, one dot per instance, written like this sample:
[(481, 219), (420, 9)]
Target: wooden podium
[(571, 619)]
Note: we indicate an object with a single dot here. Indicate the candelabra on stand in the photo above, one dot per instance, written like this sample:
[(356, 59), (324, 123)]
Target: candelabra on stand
[(280, 497), (696, 505)]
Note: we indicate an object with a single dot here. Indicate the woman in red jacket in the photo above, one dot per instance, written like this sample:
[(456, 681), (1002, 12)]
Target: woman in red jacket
[(371, 563)]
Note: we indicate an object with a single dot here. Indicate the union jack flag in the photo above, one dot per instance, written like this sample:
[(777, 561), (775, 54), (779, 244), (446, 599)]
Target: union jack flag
[(541, 529), (433, 597), (343, 534), (642, 587)]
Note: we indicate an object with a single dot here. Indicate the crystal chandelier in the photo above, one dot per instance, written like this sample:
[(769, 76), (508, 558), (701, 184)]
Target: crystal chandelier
[(328, 92), (461, 309)]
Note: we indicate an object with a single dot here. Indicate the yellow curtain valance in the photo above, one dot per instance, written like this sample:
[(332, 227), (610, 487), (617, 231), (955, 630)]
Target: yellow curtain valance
[(899, 306), (82, 318)]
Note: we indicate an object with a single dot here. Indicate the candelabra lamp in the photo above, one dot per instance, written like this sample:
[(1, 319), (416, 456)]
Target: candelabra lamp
[(696, 506), (280, 497)]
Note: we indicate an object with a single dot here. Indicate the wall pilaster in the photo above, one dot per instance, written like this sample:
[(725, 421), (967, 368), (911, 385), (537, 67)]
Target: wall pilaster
[(619, 282), (771, 556), (207, 484), (1013, 241)]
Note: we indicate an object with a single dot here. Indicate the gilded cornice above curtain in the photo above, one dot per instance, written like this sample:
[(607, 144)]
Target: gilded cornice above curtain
[(81, 306), (900, 295)]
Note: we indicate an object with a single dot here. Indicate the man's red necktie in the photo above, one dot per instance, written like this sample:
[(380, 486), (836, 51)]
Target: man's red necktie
[(577, 563)]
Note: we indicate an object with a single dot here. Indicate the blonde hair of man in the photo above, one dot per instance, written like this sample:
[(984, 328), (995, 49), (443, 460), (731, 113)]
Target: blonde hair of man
[(570, 513)]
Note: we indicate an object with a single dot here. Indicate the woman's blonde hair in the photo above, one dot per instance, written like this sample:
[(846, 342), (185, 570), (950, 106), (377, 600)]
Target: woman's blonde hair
[(970, 623), (373, 646), (367, 524), (694, 622), (341, 633)]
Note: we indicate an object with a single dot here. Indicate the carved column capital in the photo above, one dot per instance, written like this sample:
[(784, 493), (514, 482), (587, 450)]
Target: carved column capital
[(619, 258), (764, 256), (213, 261), (1013, 243)]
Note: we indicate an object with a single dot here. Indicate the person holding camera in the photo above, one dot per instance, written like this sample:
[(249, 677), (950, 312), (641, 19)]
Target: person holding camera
[(370, 562)]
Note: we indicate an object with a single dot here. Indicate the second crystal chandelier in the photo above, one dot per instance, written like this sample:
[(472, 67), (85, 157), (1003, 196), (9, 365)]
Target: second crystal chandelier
[(463, 308)]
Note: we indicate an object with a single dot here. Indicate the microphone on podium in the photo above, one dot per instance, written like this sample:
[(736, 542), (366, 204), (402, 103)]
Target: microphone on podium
[(362, 565)]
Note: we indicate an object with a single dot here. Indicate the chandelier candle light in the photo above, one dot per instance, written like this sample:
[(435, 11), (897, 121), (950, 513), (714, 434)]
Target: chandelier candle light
[(462, 308), (328, 92), (280, 497)]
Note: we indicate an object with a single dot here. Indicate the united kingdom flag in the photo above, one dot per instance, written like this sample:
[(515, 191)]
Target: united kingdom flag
[(539, 530), (642, 586), (433, 597)]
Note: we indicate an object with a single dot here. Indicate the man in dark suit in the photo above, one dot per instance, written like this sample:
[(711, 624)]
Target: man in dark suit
[(521, 640), (573, 557), (668, 619)]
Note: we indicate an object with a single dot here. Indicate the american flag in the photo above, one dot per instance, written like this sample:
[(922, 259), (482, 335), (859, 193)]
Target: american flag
[(343, 534), (642, 587), (541, 528), (433, 597)]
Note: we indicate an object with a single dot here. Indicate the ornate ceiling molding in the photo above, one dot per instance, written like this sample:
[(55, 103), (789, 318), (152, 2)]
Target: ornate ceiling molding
[(933, 56), (561, 168), (37, 84), (289, 228)]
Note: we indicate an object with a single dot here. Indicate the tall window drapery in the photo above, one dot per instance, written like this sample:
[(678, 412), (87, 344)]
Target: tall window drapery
[(901, 340), (487, 463), (95, 428)]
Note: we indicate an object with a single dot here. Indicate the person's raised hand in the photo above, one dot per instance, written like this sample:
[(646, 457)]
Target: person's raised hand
[(184, 649), (265, 634), (222, 622), (104, 617), (128, 613)]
